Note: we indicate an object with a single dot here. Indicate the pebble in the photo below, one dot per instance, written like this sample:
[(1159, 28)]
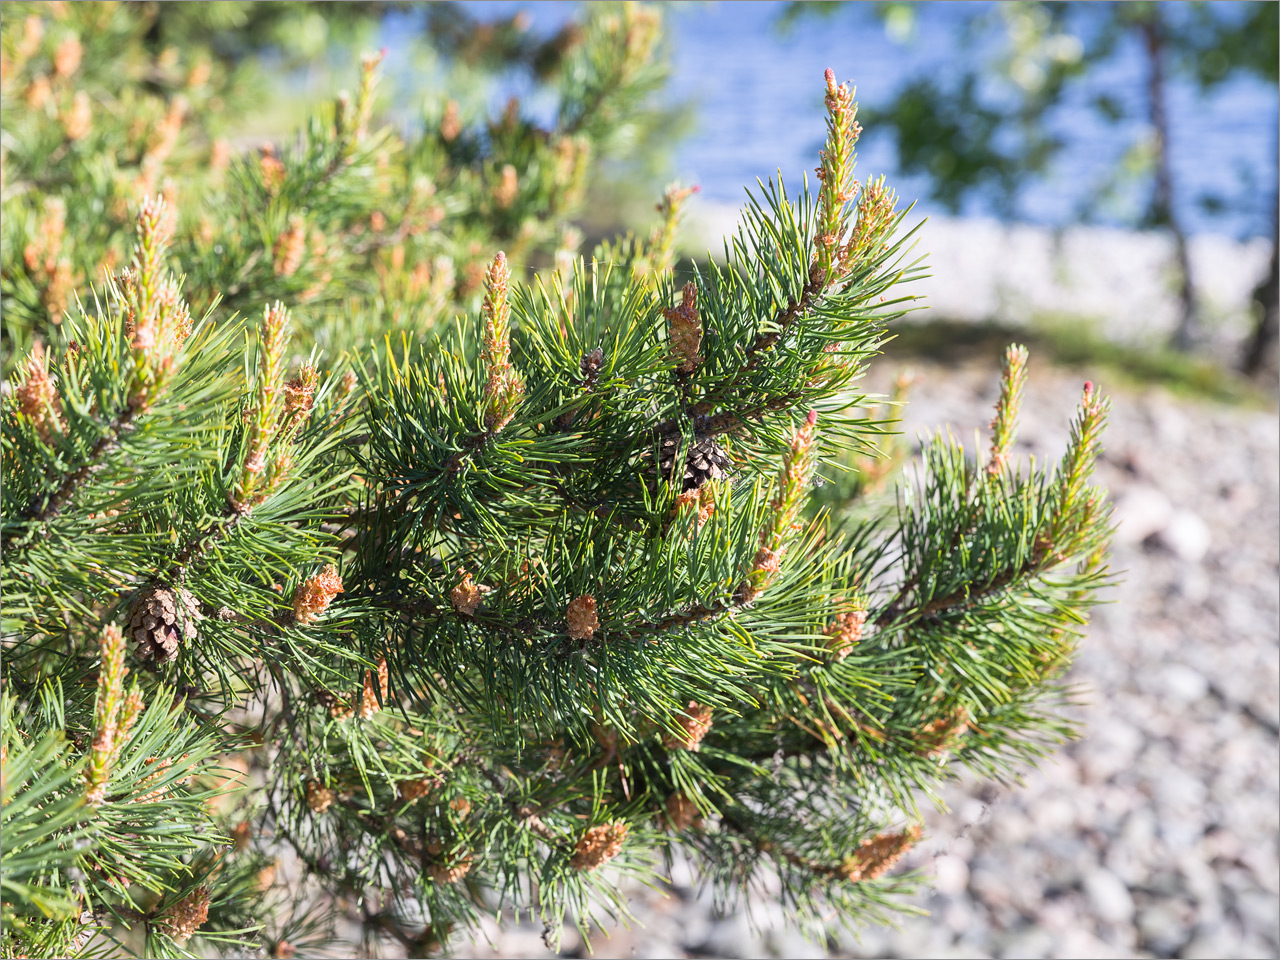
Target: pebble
[(1163, 927), (1141, 512), (1186, 536), (1109, 897), (1183, 684), (950, 875)]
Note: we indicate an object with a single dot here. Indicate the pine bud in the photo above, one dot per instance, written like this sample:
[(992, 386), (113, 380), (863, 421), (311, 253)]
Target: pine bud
[(643, 25), (166, 134), (219, 155), (272, 169), (66, 59), (319, 797), (694, 724), (38, 92), (107, 733), (466, 596), (835, 176), (503, 387), (1074, 507), (256, 482), (160, 792), (793, 481), (158, 320), (199, 73), (32, 35), (313, 596), (682, 813), (876, 217), (449, 872), (844, 632), (300, 397), (289, 248), (598, 846), (369, 702), (266, 877), (369, 64), (662, 239), (875, 857), (37, 397), (507, 189), (77, 120), (450, 125), (572, 157), (581, 619), (186, 916), (410, 790), (340, 708), (1004, 424), (685, 330), (941, 735)]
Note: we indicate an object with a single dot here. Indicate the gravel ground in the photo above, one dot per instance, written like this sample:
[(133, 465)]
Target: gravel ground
[(1154, 835)]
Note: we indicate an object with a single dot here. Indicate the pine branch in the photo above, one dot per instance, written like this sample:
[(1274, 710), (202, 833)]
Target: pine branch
[(47, 507), (196, 547)]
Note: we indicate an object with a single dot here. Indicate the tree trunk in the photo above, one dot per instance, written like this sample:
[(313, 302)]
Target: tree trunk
[(1162, 206), (1262, 354)]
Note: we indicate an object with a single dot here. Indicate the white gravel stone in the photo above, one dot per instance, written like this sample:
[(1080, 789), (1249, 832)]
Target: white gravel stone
[(1165, 926), (1109, 896), (1182, 684), (951, 875), (1029, 943), (1141, 512), (1186, 536)]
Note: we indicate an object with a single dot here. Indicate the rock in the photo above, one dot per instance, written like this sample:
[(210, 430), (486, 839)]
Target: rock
[(1259, 912), (1080, 944), (694, 925), (1186, 536), (1182, 684), (865, 941), (733, 937), (1210, 942), (1029, 943), (1164, 927), (959, 916), (655, 949), (1140, 512), (951, 875), (1108, 896), (783, 942)]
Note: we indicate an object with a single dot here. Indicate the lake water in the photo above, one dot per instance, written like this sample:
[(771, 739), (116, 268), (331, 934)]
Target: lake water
[(758, 102)]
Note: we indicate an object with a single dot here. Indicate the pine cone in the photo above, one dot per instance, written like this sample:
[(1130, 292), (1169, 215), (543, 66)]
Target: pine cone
[(598, 846), (706, 460), (160, 620)]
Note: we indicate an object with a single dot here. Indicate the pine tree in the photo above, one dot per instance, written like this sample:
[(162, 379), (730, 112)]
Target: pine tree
[(522, 597)]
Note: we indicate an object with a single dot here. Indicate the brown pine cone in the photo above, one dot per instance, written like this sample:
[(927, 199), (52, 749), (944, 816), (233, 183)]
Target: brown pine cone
[(161, 619), (706, 460)]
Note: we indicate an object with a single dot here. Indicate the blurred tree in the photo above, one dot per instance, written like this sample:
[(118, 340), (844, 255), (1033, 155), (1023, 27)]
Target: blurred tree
[(107, 103), (988, 126)]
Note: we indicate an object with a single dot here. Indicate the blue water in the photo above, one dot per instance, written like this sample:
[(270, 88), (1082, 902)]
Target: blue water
[(758, 102)]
